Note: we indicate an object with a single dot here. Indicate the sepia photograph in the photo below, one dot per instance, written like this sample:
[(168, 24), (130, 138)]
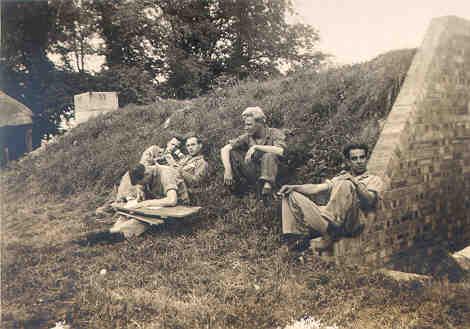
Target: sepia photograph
[(235, 164)]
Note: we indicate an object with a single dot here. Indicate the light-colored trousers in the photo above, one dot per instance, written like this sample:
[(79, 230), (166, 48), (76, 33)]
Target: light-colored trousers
[(129, 227), (300, 214)]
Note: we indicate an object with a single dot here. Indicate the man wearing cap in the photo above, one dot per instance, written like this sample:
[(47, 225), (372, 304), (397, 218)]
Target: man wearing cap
[(351, 194), (253, 158)]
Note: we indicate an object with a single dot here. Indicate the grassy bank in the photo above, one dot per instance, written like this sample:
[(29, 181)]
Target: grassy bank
[(225, 271)]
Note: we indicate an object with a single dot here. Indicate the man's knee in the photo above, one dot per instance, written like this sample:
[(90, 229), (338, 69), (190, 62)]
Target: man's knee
[(269, 157), (296, 197)]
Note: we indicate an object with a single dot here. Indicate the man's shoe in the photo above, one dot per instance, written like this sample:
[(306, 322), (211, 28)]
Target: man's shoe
[(104, 237), (324, 243), (357, 231), (267, 194), (334, 231), (295, 242)]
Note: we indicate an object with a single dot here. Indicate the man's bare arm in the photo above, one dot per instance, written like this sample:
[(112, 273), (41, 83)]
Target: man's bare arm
[(307, 189), (225, 155), (170, 200), (270, 149)]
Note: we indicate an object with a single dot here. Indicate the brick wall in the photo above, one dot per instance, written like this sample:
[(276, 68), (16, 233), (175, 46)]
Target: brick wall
[(423, 153)]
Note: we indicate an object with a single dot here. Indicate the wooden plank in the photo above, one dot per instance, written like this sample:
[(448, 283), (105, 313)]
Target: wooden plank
[(149, 220), (177, 212)]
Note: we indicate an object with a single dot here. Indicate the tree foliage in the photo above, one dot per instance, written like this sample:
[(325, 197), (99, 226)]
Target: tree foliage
[(172, 48), (25, 67), (188, 45)]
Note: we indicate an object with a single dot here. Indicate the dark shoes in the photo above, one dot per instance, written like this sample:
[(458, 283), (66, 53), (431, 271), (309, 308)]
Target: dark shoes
[(101, 237), (325, 243), (357, 231), (334, 233), (295, 242)]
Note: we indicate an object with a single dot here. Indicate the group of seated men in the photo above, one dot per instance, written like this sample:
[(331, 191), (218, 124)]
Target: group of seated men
[(252, 160)]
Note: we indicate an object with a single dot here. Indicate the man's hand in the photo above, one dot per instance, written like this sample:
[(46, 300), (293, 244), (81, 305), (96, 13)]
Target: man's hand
[(228, 178), (140, 194), (286, 189), (169, 158), (250, 152)]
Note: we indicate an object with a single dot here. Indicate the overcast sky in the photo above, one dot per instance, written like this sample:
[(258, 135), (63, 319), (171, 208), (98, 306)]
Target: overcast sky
[(358, 30)]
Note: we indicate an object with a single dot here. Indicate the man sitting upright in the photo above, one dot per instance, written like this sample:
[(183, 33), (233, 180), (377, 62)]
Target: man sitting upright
[(350, 194), (253, 157)]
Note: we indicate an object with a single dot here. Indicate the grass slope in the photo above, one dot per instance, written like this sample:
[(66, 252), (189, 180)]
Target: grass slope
[(225, 271)]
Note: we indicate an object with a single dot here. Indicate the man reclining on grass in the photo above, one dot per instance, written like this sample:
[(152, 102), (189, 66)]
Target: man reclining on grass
[(350, 194), (157, 186), (193, 168), (253, 158)]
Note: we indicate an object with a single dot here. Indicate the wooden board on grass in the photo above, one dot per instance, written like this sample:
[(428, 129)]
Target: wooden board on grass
[(149, 220), (158, 215)]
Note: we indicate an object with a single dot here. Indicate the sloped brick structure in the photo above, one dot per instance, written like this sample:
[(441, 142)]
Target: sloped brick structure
[(423, 153)]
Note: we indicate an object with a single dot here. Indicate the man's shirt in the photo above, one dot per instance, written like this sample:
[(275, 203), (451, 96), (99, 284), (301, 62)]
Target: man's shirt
[(195, 169), (273, 137), (373, 183), (151, 155), (156, 155)]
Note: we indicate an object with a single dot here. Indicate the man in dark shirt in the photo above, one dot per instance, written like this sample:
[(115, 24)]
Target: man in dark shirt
[(253, 158)]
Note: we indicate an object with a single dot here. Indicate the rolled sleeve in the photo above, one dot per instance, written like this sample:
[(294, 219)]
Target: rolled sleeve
[(376, 185), (329, 182), (279, 139), (150, 155)]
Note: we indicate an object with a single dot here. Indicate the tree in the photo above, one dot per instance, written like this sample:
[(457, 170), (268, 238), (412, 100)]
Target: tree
[(24, 64), (75, 30), (235, 39), (176, 48), (188, 44), (29, 30)]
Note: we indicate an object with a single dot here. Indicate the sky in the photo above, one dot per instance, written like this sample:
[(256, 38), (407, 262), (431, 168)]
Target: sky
[(359, 30)]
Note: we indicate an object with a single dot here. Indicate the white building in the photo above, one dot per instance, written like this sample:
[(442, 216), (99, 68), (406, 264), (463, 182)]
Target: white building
[(91, 104)]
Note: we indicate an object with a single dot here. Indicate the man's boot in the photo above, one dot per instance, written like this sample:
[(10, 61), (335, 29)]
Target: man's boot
[(103, 237), (267, 193), (333, 233)]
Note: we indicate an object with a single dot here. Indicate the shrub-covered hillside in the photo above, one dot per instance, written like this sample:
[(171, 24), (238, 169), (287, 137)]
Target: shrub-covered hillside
[(226, 270), (320, 111)]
